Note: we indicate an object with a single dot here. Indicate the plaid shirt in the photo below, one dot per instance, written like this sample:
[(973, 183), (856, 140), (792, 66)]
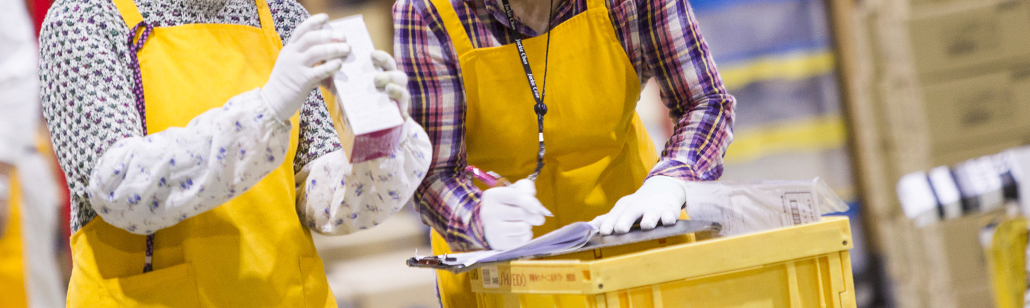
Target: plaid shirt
[(661, 38)]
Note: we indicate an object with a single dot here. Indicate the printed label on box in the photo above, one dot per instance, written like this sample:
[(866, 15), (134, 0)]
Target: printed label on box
[(798, 208), (491, 278)]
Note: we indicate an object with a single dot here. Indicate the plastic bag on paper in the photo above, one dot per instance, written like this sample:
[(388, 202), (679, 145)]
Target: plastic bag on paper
[(751, 206)]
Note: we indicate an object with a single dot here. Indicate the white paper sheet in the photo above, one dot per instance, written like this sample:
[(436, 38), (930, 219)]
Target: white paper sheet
[(572, 236)]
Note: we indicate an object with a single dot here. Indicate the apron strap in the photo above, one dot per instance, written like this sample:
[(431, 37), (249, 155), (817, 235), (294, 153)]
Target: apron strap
[(597, 4), (265, 14), (130, 13), (451, 22), (143, 30), (134, 21)]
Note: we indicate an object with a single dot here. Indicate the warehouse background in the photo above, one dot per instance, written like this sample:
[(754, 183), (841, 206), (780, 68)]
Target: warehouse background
[(855, 92)]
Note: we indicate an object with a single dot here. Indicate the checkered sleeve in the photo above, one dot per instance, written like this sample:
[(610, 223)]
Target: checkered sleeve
[(677, 56), (447, 200)]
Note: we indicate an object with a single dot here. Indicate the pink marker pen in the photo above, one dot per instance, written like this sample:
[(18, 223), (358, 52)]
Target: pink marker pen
[(489, 178)]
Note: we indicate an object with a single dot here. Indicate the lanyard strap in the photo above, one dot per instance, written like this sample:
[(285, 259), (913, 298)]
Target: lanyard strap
[(540, 108)]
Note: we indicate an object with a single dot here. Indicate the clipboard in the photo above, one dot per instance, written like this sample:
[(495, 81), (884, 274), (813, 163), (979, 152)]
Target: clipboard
[(635, 235)]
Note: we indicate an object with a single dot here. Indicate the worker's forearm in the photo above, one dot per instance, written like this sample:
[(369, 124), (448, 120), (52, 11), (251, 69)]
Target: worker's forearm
[(336, 197), (449, 203), (700, 138), (143, 184)]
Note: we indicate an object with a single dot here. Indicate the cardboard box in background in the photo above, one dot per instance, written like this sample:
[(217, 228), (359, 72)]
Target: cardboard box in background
[(982, 37), (918, 6), (941, 265), (953, 247), (902, 261), (966, 111)]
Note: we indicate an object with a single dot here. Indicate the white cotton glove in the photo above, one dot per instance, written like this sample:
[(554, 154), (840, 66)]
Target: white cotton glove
[(509, 214), (300, 65), (660, 198), (392, 80)]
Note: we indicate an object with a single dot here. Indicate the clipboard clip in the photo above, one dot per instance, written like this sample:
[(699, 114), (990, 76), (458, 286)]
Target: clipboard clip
[(430, 261)]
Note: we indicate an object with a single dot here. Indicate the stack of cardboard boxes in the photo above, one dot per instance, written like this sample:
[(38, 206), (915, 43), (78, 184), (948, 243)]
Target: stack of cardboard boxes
[(972, 61), (929, 83)]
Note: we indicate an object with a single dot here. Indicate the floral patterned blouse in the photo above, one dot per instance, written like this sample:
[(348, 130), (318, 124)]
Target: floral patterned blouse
[(143, 183)]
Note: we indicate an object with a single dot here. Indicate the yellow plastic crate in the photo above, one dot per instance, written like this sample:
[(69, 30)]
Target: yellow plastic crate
[(802, 266), (1006, 259)]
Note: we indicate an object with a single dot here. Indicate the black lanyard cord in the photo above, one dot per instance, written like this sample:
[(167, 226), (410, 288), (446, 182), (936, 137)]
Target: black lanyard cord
[(540, 108)]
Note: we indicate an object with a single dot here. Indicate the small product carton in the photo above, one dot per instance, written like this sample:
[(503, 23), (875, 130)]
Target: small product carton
[(366, 120)]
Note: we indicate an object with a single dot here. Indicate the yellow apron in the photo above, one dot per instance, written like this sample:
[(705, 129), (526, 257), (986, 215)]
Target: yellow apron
[(250, 252), (13, 292), (597, 149), (12, 264)]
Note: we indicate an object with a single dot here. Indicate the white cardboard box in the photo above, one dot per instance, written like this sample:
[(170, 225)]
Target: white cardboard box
[(366, 120)]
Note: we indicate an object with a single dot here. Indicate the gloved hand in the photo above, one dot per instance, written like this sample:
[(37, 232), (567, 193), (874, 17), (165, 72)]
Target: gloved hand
[(660, 198), (297, 70), (509, 214), (392, 80)]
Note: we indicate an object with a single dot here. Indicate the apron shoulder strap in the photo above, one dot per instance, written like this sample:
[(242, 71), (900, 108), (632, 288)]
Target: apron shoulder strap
[(267, 27), (451, 22), (130, 13), (596, 4)]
